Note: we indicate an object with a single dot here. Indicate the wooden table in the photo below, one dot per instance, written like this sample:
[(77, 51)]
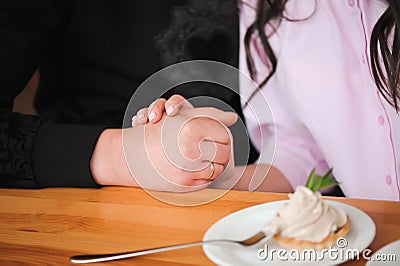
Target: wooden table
[(47, 226)]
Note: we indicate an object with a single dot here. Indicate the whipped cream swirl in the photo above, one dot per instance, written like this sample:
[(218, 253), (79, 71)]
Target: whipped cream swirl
[(307, 217)]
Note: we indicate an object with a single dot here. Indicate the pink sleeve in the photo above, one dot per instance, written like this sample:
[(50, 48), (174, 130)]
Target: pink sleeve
[(296, 155), (281, 139)]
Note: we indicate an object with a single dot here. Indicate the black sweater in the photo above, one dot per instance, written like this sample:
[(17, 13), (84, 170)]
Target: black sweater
[(91, 56)]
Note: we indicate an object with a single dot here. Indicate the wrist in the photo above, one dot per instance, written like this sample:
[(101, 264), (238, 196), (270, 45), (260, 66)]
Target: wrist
[(108, 164)]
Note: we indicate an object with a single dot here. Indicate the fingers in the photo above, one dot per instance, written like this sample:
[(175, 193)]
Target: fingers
[(211, 172), (218, 154), (201, 128), (226, 118), (152, 114), (141, 117), (175, 103), (206, 151), (219, 169), (215, 152), (155, 110)]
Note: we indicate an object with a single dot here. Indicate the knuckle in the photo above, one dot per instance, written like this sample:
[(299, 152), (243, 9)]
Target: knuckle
[(143, 110), (181, 180), (177, 100), (177, 97), (191, 127), (219, 169), (189, 152), (157, 103), (161, 102), (225, 158)]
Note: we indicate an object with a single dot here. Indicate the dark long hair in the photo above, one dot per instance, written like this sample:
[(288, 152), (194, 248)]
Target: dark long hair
[(384, 50)]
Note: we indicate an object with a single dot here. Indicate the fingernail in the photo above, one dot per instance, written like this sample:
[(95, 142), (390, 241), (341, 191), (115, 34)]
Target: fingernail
[(169, 110), (133, 122), (140, 116), (152, 115)]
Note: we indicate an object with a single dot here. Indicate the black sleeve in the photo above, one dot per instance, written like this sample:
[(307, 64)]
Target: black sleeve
[(36, 153), (62, 153)]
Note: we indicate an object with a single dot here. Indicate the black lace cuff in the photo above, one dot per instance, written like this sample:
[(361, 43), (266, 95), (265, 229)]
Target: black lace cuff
[(17, 137), (35, 153)]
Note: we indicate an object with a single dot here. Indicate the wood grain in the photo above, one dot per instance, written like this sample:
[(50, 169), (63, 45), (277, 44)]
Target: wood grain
[(47, 226)]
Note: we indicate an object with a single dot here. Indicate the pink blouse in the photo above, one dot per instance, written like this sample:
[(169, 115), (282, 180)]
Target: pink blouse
[(326, 109)]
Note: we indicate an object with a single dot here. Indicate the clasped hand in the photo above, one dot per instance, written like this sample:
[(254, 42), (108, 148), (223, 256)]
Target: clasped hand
[(185, 147)]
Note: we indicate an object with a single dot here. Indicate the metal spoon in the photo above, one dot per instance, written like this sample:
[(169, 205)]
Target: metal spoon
[(123, 255)]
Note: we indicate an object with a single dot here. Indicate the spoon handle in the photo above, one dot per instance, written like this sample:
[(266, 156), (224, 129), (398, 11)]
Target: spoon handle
[(123, 255)]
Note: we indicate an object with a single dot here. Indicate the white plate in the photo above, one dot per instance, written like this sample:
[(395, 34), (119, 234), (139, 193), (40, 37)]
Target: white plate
[(387, 255), (244, 223)]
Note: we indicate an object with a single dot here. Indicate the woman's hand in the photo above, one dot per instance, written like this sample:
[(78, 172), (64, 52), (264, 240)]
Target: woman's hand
[(154, 112)]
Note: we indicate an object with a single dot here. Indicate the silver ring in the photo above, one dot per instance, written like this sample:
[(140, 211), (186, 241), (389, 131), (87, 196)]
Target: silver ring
[(212, 168)]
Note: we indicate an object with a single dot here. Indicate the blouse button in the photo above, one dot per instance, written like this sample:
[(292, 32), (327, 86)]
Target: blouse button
[(381, 120), (363, 59), (388, 180), (351, 3)]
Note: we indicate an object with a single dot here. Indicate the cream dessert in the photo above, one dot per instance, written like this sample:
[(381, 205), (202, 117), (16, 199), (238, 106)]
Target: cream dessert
[(307, 221)]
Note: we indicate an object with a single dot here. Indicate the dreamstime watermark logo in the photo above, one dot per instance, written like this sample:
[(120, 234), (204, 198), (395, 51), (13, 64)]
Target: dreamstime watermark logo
[(339, 252)]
